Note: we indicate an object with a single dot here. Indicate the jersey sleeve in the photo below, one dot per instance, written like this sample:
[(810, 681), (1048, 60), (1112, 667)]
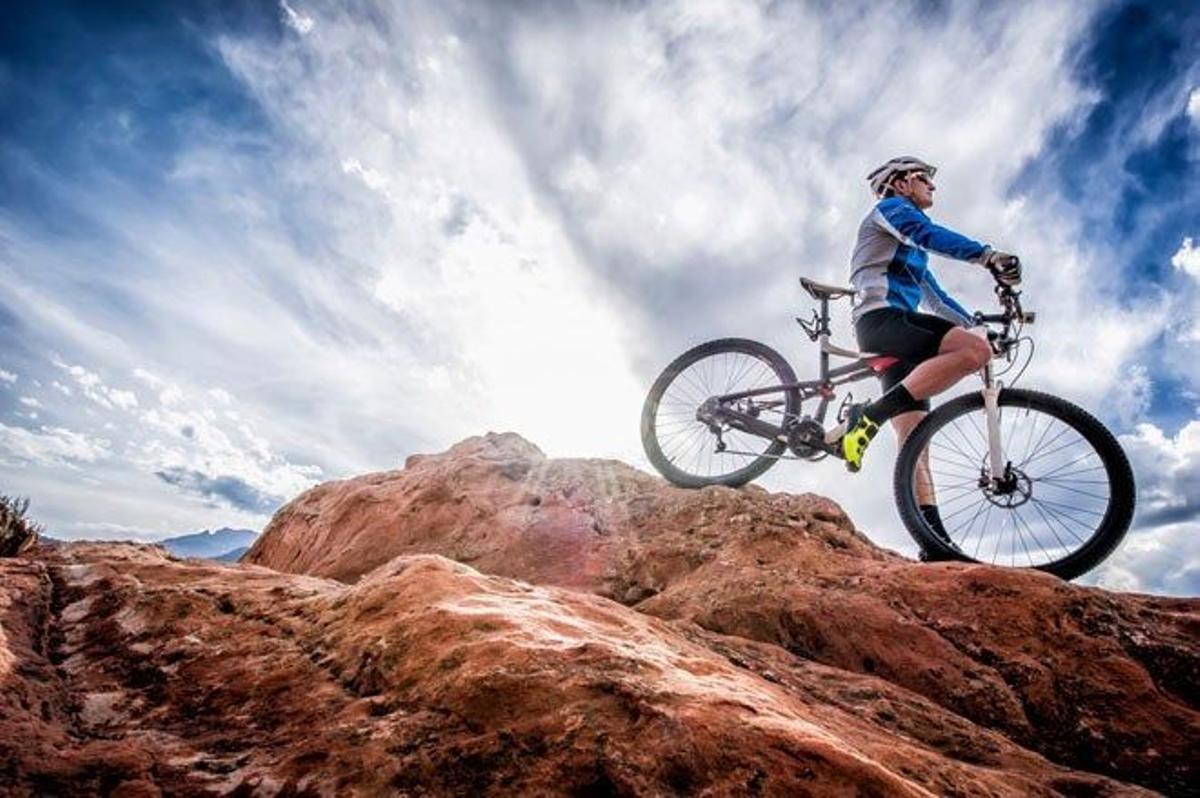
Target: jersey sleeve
[(906, 222), (942, 304)]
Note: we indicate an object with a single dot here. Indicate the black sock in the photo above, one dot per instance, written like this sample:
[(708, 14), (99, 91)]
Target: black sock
[(896, 401)]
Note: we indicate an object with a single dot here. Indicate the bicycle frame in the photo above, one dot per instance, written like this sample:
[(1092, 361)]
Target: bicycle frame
[(1077, 492), (864, 365), (868, 365)]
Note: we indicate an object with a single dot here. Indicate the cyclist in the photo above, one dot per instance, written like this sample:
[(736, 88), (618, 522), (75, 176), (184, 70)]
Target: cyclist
[(890, 272)]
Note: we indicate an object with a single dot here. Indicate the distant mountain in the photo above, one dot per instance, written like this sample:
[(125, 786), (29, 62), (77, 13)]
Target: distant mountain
[(233, 556), (222, 544)]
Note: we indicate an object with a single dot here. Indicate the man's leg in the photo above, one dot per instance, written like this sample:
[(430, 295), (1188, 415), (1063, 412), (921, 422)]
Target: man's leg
[(904, 424), (959, 353)]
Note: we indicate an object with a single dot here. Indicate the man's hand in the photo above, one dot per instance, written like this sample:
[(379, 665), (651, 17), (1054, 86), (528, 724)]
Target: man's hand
[(1005, 267)]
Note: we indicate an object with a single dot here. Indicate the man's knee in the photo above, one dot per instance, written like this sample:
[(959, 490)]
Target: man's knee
[(973, 351), (977, 354)]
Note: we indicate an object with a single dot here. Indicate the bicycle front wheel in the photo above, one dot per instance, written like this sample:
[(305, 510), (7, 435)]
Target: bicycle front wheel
[(1063, 506), (686, 450)]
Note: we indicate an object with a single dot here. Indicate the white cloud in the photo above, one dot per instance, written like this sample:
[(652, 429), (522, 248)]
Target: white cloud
[(301, 23), (7, 376), (30, 401), (513, 217), (109, 530), (171, 395), (198, 441), (1168, 471), (1188, 333), (126, 400), (1164, 559), (93, 388), (153, 380), (579, 157), (373, 179), (1161, 554), (1133, 400), (1193, 106), (49, 446), (1187, 258)]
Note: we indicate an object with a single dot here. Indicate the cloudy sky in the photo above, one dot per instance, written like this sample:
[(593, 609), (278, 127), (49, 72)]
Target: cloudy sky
[(248, 247)]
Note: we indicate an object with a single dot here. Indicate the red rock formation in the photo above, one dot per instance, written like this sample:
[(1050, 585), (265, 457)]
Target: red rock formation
[(127, 672), (1093, 680)]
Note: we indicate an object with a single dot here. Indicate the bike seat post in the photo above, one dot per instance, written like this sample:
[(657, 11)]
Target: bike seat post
[(825, 315), (823, 335)]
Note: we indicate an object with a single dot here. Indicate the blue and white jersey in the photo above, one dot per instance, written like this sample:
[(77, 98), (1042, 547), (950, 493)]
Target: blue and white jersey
[(890, 264)]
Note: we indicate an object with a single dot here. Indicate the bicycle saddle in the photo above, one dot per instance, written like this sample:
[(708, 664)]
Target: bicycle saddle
[(822, 291)]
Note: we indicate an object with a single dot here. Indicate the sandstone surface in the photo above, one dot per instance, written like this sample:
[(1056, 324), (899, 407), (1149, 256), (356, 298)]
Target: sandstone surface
[(127, 672), (488, 621), (1092, 680)]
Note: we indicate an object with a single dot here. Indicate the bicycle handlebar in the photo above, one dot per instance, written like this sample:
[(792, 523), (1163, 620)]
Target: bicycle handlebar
[(1010, 301)]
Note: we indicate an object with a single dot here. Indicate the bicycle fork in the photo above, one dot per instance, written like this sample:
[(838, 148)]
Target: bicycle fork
[(991, 411)]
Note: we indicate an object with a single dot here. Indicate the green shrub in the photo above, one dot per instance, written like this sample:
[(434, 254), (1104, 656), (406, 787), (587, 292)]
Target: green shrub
[(16, 531)]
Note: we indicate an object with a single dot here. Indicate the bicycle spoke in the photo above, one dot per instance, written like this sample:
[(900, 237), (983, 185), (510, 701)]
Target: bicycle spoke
[(946, 465), (983, 530), (1050, 526), (1042, 455), (1081, 492), (689, 444), (1065, 507), (983, 504), (685, 442), (1016, 511), (961, 509), (1051, 498), (950, 456), (1083, 456), (1058, 516)]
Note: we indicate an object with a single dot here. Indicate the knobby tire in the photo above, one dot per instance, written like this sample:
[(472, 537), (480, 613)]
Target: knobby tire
[(782, 374), (1118, 474)]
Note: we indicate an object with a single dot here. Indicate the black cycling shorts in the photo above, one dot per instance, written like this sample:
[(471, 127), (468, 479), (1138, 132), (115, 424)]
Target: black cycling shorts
[(912, 337)]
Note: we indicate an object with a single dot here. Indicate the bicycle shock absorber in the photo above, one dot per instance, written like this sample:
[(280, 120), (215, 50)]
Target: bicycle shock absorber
[(991, 406)]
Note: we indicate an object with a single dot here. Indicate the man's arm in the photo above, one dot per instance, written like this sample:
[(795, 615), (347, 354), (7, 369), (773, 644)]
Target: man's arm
[(906, 222), (942, 304)]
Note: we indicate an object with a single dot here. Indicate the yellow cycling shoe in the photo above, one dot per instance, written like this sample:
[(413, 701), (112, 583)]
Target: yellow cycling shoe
[(859, 432)]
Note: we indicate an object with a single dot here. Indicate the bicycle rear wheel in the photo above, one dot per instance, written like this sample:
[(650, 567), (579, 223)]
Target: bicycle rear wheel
[(684, 449), (1068, 496)]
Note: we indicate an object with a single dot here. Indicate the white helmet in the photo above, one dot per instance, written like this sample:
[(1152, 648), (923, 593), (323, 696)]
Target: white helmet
[(883, 176)]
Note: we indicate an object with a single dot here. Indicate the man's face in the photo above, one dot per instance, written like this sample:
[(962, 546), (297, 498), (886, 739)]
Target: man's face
[(918, 187)]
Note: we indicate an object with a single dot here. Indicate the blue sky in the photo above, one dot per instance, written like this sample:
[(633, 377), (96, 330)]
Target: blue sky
[(249, 247)]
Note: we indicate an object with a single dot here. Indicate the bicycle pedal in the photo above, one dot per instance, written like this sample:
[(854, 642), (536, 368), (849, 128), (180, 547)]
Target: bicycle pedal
[(844, 409), (835, 434)]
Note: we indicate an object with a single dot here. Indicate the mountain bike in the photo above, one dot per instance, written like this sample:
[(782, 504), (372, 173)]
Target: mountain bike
[(1022, 478)]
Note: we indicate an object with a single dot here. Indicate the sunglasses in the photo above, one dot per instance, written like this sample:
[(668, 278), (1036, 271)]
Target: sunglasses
[(924, 178)]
